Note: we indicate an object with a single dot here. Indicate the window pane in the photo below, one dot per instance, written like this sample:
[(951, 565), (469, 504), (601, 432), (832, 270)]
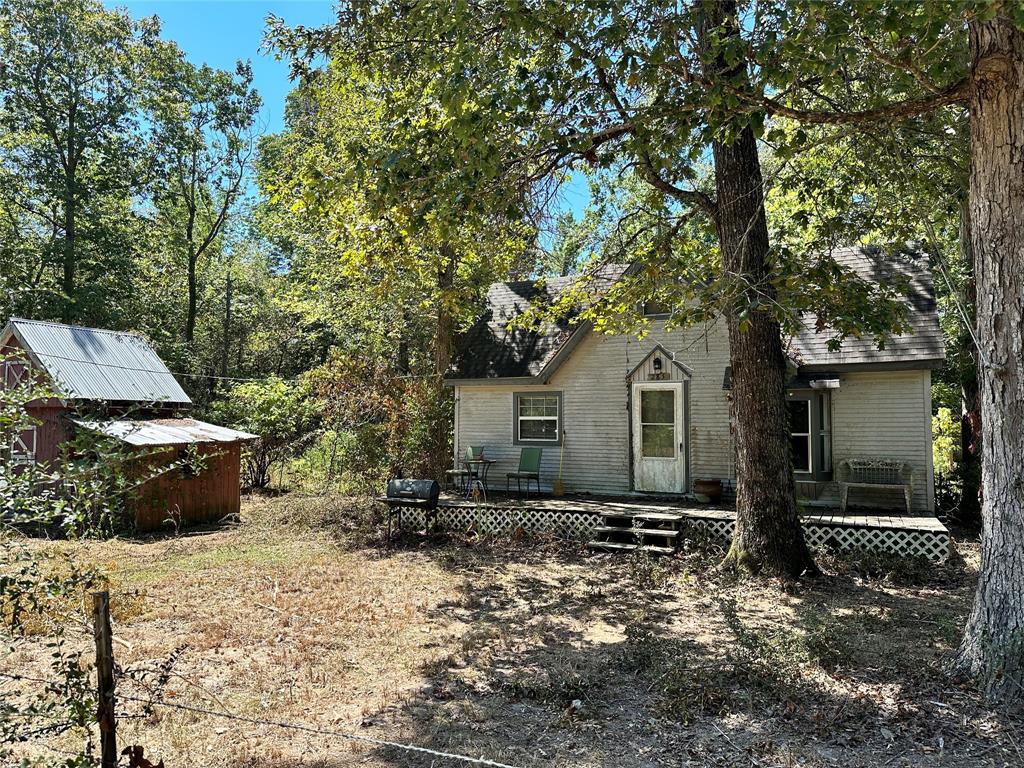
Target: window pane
[(657, 441), (656, 308), (799, 416), (543, 405), (801, 453), (538, 429), (657, 406)]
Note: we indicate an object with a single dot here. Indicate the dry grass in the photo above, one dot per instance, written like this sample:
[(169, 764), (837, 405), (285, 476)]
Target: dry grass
[(532, 653)]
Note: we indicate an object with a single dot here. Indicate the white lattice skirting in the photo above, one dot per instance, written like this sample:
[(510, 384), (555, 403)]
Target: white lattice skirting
[(933, 545), (499, 520)]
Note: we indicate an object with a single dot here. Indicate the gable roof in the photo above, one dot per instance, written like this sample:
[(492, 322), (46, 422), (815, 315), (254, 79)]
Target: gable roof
[(95, 364), (491, 351)]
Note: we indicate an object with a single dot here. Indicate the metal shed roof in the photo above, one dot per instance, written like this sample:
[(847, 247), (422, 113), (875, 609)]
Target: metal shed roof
[(165, 431), (94, 364)]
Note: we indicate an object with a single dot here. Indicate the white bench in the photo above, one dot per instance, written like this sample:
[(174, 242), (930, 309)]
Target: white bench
[(883, 474)]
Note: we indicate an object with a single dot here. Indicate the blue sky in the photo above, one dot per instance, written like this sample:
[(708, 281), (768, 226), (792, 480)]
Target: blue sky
[(219, 32)]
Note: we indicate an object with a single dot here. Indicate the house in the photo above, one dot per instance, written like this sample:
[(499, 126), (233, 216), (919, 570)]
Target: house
[(618, 415), (115, 384)]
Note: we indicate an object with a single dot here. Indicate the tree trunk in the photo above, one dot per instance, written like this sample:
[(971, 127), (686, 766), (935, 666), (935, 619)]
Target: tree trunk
[(444, 344), (969, 508), (768, 538), (225, 351), (193, 295), (70, 261), (992, 649)]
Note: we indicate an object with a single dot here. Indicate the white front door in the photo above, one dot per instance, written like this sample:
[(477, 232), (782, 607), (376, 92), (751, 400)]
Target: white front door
[(659, 438)]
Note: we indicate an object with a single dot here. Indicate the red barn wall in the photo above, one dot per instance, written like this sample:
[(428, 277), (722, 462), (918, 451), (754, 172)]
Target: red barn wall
[(209, 496)]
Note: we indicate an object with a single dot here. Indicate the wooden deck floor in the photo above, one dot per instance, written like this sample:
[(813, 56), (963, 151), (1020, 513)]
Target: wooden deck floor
[(598, 505)]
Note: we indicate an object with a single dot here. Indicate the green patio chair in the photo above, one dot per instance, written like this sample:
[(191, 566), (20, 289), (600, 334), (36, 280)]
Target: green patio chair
[(529, 469), (461, 476)]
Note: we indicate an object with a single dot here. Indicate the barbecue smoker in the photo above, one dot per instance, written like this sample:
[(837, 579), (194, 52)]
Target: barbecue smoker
[(405, 493)]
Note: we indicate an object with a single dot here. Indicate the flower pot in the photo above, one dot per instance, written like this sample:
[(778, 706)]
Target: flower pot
[(708, 490)]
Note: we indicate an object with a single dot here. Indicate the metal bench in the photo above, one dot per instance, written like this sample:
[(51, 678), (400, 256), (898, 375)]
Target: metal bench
[(883, 474)]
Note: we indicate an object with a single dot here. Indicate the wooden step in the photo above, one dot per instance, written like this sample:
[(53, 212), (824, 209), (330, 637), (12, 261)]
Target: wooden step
[(664, 532), (667, 517), (619, 546)]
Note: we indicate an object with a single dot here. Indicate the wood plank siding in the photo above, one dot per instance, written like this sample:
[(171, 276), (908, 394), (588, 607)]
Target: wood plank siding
[(204, 498), (877, 414)]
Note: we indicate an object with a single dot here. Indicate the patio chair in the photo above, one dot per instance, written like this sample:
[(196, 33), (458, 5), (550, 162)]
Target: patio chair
[(529, 469), (461, 476)]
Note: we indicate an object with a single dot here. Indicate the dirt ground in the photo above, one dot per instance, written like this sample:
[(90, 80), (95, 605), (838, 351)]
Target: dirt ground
[(529, 653)]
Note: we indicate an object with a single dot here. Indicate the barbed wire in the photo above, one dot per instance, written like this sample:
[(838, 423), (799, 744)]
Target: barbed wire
[(285, 725), (321, 732)]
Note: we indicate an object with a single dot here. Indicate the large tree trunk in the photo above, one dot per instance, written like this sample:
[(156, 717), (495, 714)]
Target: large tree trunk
[(768, 538), (992, 650)]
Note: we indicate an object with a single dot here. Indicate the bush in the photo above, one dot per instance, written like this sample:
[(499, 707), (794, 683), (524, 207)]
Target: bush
[(282, 414)]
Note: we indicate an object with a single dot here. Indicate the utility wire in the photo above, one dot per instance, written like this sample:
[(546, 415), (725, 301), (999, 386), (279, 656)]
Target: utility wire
[(197, 375)]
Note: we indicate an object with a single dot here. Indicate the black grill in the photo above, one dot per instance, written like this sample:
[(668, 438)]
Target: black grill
[(404, 492)]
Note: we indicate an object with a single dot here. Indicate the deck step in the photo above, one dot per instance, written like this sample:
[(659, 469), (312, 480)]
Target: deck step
[(620, 546), (665, 517), (662, 532)]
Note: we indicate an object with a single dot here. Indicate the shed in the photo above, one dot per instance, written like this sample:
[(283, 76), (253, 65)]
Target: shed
[(115, 383), (181, 494)]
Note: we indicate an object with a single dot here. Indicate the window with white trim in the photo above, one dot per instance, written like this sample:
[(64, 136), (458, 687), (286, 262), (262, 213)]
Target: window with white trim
[(23, 447), (538, 418)]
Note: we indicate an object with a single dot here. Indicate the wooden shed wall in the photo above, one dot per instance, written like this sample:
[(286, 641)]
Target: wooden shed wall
[(209, 496)]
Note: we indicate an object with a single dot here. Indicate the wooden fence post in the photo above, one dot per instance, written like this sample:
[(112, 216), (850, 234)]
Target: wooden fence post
[(104, 678)]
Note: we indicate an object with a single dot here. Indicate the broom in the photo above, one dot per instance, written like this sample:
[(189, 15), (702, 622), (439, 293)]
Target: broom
[(559, 488)]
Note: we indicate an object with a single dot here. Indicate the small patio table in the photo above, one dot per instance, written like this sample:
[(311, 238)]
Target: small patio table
[(478, 479)]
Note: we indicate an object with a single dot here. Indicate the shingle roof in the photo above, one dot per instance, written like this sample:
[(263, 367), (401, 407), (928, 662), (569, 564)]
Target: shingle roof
[(489, 350), (924, 346), (94, 364)]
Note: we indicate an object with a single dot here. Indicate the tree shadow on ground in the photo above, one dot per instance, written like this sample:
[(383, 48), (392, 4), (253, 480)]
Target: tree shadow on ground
[(625, 661)]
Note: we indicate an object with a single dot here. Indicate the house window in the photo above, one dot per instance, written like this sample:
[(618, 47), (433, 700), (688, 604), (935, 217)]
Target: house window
[(23, 447), (810, 434), (656, 309), (538, 418)]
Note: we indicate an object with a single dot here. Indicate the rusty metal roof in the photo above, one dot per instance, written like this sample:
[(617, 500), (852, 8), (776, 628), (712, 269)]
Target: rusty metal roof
[(95, 364), (165, 431)]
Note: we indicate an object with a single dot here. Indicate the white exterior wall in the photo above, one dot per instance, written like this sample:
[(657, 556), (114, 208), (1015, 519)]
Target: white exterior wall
[(879, 414), (595, 416), (885, 415)]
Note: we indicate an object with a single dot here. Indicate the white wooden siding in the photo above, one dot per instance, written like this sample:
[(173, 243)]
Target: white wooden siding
[(595, 416), (886, 414)]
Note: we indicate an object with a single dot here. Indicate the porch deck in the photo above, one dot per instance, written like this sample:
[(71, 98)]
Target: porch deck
[(580, 517)]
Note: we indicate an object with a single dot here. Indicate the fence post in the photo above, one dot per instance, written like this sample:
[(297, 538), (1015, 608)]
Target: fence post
[(104, 678)]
